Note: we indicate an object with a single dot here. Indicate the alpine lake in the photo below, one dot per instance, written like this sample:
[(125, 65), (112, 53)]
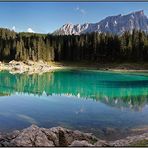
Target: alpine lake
[(107, 104)]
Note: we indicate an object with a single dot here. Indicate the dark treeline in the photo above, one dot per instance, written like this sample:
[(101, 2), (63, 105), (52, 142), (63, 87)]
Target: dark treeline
[(95, 47)]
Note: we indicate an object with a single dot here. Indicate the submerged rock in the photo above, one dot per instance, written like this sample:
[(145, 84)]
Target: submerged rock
[(101, 143), (80, 143), (131, 140)]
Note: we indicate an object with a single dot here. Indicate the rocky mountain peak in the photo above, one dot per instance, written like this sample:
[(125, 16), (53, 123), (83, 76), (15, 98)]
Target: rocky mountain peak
[(117, 24), (141, 12)]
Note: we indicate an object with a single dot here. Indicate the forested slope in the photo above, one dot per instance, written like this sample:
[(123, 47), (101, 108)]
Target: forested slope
[(93, 47)]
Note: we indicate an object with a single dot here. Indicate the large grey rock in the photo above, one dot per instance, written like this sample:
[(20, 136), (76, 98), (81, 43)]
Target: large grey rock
[(51, 136), (35, 136), (66, 137), (32, 136)]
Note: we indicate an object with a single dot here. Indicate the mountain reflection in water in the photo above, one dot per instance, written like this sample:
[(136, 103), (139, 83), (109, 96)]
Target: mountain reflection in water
[(113, 89)]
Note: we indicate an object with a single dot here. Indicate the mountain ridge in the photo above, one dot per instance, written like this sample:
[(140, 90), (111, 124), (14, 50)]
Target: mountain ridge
[(116, 24)]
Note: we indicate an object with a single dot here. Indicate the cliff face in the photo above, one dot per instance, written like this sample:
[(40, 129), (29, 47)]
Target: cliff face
[(112, 24)]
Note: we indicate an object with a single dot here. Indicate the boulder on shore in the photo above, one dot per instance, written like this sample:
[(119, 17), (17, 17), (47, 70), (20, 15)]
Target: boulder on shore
[(58, 136)]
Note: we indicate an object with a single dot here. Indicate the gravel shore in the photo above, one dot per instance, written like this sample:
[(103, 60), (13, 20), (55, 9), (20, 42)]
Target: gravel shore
[(40, 67)]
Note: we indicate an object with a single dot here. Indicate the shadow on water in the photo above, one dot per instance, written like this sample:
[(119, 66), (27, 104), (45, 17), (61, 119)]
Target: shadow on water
[(126, 84)]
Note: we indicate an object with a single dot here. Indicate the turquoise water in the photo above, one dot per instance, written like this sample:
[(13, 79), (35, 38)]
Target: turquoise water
[(86, 100)]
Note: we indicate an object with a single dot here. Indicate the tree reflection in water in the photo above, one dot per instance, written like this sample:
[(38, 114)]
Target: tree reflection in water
[(117, 90)]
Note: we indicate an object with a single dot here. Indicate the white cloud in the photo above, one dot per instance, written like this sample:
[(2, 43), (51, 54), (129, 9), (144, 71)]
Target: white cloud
[(82, 11), (77, 8), (30, 30), (13, 28)]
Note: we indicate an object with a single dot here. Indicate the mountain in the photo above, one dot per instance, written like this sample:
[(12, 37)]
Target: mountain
[(113, 24)]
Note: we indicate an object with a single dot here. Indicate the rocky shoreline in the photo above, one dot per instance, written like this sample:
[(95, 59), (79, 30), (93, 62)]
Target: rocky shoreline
[(29, 67), (39, 67), (58, 136)]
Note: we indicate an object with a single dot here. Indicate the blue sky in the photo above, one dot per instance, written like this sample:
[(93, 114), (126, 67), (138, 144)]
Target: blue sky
[(45, 17)]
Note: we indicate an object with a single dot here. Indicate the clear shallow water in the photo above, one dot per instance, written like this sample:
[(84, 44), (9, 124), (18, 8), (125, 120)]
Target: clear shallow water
[(84, 100)]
